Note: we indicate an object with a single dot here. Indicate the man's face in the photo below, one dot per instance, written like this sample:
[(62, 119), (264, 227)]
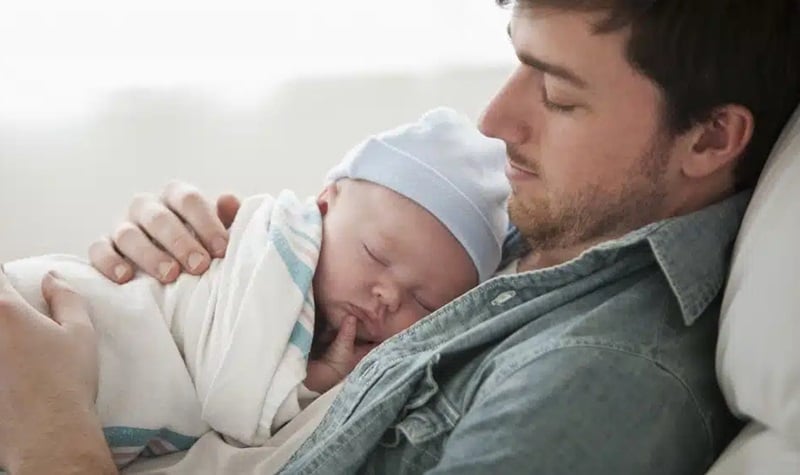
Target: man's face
[(589, 157)]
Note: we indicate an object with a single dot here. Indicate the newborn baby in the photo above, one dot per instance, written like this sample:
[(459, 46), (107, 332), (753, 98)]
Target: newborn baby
[(408, 221)]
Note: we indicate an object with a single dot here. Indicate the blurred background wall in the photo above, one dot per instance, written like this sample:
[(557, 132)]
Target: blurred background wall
[(100, 99)]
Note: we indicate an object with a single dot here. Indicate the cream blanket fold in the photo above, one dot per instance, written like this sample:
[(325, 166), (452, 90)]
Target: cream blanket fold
[(226, 351)]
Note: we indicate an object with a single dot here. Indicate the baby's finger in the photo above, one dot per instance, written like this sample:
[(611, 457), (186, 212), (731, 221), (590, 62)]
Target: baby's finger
[(345, 341)]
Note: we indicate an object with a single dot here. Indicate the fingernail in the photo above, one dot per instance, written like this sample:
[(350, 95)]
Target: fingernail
[(218, 246), (164, 270), (195, 261), (120, 271)]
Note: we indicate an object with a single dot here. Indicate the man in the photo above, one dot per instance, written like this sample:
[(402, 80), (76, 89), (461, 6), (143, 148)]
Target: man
[(634, 130)]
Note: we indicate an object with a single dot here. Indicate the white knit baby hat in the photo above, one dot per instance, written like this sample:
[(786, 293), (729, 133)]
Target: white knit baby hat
[(443, 163)]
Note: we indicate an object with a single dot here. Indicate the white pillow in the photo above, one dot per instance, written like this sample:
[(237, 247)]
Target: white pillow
[(758, 354), (757, 451)]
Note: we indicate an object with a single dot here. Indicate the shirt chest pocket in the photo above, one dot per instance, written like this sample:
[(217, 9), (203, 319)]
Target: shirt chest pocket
[(428, 415)]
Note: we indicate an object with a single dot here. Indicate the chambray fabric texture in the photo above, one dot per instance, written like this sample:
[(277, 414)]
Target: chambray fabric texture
[(602, 365)]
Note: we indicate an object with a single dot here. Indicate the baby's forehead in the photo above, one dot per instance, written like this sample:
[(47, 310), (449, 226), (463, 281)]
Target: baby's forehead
[(387, 200), (400, 224)]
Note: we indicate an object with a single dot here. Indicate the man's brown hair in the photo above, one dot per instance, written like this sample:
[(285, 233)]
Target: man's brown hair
[(705, 54)]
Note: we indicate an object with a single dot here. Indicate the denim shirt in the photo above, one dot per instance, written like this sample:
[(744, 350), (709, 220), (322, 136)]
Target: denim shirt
[(604, 364)]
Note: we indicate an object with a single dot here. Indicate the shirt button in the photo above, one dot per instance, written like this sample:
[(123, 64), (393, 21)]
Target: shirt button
[(503, 298)]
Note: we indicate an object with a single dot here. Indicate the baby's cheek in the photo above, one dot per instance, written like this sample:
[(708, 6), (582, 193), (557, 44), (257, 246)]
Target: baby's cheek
[(406, 320)]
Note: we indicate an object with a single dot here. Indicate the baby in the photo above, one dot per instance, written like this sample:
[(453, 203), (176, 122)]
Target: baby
[(408, 221)]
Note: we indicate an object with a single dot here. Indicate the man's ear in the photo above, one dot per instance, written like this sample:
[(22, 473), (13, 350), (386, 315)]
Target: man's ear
[(326, 197), (719, 141)]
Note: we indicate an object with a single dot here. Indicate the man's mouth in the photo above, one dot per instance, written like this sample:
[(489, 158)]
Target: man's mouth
[(516, 172), (521, 167), (517, 163)]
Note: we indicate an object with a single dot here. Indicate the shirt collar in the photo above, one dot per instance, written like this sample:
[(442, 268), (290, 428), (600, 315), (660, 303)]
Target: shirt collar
[(692, 250)]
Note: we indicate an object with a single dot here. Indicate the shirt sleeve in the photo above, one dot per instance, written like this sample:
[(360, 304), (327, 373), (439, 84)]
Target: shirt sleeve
[(581, 410)]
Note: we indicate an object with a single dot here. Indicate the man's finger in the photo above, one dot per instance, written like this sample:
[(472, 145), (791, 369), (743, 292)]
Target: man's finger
[(227, 207), (5, 284), (10, 297), (67, 308), (164, 227), (105, 258), (10, 300), (191, 206), (133, 243)]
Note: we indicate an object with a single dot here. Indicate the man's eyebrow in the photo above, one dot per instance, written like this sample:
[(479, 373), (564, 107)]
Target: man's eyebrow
[(549, 68)]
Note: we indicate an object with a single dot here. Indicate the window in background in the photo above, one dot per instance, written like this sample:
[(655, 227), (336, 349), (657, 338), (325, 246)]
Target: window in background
[(101, 99), (55, 56)]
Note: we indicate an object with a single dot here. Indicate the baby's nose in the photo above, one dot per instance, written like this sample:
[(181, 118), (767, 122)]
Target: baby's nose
[(388, 300)]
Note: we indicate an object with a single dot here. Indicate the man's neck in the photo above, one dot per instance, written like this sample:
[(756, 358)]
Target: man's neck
[(541, 259), (536, 260), (689, 203)]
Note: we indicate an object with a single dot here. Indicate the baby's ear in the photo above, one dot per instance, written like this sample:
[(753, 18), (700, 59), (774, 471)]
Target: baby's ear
[(326, 197)]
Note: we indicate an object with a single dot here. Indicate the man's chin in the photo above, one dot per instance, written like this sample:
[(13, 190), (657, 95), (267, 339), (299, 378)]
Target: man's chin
[(527, 216), (538, 225)]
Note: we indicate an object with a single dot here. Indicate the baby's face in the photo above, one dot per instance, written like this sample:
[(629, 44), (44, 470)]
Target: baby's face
[(385, 260)]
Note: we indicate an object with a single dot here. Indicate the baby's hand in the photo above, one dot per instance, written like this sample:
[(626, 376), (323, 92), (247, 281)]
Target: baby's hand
[(339, 359)]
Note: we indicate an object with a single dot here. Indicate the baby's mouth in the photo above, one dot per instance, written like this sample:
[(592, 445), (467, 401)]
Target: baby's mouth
[(365, 323), (360, 313)]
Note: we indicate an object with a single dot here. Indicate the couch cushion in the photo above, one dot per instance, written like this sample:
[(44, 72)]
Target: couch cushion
[(758, 355)]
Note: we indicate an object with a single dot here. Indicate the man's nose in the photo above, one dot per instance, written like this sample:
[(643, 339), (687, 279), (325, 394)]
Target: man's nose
[(507, 116)]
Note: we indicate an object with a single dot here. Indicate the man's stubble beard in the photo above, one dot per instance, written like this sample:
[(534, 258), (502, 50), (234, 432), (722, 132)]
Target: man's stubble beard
[(591, 214)]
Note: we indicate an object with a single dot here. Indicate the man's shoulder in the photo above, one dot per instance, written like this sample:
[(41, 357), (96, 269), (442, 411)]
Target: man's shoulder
[(601, 406), (610, 345), (638, 319), (636, 315)]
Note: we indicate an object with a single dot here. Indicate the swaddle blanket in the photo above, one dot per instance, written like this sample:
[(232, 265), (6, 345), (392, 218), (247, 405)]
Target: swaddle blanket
[(225, 351)]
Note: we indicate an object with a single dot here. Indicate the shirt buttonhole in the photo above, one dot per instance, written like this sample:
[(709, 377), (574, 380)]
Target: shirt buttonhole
[(503, 298)]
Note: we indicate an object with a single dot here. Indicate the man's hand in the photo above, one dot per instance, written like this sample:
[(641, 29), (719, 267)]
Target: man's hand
[(339, 359), (48, 385), (163, 236)]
